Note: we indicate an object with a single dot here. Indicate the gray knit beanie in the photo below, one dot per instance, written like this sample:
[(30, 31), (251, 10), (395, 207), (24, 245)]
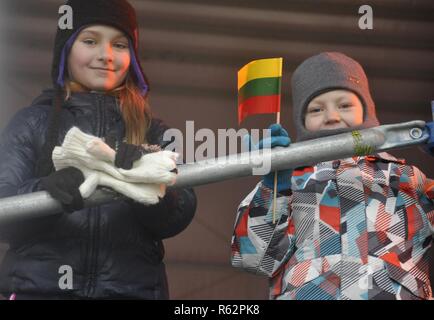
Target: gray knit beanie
[(325, 72)]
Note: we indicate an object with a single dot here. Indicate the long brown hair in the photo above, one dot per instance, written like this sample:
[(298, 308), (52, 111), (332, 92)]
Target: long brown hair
[(134, 107)]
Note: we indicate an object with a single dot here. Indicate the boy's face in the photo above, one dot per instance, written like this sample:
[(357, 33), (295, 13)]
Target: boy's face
[(99, 58), (333, 110)]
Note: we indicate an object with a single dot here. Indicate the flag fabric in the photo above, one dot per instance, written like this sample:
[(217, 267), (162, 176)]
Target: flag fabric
[(259, 86)]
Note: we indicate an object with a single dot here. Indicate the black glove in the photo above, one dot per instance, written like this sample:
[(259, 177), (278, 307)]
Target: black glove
[(63, 185), (126, 155)]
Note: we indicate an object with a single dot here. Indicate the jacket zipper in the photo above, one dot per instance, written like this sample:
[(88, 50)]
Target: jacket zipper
[(94, 262), (94, 218), (89, 259)]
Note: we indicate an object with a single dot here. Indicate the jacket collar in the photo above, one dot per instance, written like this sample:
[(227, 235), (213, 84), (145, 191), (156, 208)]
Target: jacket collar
[(385, 157), (381, 156), (83, 98), (80, 99)]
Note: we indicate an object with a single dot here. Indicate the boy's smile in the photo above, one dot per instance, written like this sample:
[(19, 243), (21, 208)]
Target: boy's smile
[(334, 110), (100, 58)]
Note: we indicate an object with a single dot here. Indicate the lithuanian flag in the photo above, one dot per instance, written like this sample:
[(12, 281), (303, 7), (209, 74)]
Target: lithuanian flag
[(259, 85)]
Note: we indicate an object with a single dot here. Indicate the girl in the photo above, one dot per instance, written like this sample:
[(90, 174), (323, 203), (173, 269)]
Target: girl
[(356, 228), (113, 250)]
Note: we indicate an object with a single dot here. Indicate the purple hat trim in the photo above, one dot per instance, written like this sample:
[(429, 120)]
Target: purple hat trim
[(141, 83), (68, 45)]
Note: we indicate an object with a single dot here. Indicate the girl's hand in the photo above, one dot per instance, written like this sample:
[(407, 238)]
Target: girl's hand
[(155, 167), (126, 155), (63, 185)]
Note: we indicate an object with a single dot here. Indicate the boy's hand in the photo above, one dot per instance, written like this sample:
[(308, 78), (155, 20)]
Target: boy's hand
[(278, 138), (429, 146)]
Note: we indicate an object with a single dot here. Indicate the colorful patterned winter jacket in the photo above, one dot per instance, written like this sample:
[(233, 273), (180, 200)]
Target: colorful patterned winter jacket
[(357, 228)]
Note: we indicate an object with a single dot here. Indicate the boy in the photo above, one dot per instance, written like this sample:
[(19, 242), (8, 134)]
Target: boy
[(356, 228)]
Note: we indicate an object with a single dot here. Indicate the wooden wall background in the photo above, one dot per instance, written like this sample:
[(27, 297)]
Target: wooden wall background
[(191, 51)]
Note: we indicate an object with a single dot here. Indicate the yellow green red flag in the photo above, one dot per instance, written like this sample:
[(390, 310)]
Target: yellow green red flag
[(259, 86)]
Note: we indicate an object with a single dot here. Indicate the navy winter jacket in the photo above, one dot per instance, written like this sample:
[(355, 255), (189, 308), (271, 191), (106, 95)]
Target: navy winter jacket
[(114, 250)]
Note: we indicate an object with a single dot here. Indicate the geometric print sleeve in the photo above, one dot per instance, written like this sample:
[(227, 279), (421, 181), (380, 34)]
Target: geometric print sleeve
[(258, 245), (425, 189)]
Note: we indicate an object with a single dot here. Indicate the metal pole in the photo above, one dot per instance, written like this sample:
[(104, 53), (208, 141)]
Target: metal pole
[(305, 153)]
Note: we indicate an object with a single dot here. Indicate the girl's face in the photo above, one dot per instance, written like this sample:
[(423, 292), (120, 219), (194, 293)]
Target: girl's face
[(333, 110), (99, 58)]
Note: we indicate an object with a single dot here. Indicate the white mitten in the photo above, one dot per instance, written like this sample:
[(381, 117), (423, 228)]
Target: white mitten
[(76, 145), (100, 150), (152, 168), (60, 161), (95, 154), (143, 193)]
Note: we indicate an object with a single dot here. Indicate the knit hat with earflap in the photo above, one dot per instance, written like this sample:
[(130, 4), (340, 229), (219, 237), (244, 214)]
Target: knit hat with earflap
[(116, 13), (322, 73)]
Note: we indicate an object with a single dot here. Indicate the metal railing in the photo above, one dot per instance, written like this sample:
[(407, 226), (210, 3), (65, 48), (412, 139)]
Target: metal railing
[(304, 153)]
